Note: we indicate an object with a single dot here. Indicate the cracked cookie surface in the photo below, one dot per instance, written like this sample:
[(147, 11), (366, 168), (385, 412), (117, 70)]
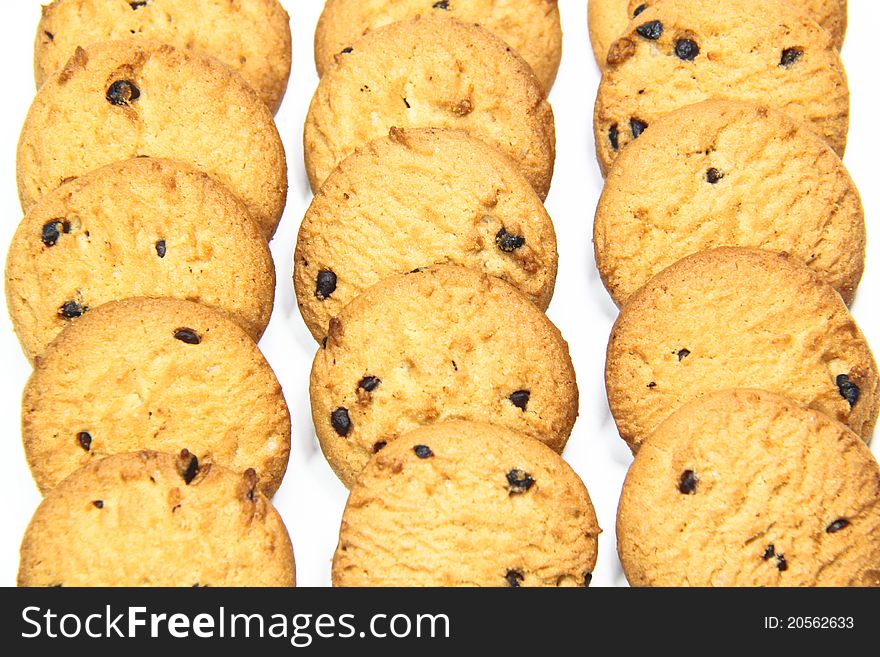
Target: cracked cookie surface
[(726, 173), (143, 227), (158, 374), (679, 52), (420, 197), (431, 72), (252, 37), (122, 99), (737, 318), (747, 488), (467, 504), (441, 344), (531, 27), (151, 519)]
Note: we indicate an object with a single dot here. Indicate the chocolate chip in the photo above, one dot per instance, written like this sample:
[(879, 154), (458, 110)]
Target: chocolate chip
[(650, 30), (637, 127), (379, 446), (324, 342), (790, 56), (369, 383), (682, 354), (514, 578), (49, 36), (122, 92), (848, 390), (72, 310), (508, 242), (713, 175), (423, 451), (442, 4), (326, 284), (653, 384), (52, 231), (406, 102), (160, 248), (687, 485), (614, 137), (588, 579), (781, 563), (188, 465), (837, 525), (99, 504), (686, 49), (187, 335), (137, 4), (638, 10), (520, 399), (770, 552), (519, 481), (341, 421), (84, 438)]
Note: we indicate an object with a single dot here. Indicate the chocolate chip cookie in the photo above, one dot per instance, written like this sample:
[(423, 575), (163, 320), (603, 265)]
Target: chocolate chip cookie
[(472, 208), (158, 374), (151, 519), (467, 504), (738, 318), (439, 344), (142, 227), (726, 173), (746, 488)]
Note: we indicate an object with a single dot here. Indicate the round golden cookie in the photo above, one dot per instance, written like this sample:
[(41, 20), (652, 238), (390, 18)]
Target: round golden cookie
[(121, 99), (726, 173), (531, 27), (151, 519), (439, 344), (609, 19), (746, 488), (252, 37), (679, 52), (467, 504), (141, 227), (471, 207), (431, 72), (158, 374), (737, 318)]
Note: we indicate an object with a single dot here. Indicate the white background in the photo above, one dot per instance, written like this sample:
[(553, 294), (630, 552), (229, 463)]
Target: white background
[(311, 499)]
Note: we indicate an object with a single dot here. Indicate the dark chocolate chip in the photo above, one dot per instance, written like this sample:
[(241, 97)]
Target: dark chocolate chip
[(379, 446), (346, 51), (122, 92), (519, 481), (713, 175), (637, 127), (514, 578), (653, 384), (326, 284), (49, 36), (324, 342), (423, 451), (341, 421), (187, 335), (508, 242), (84, 438), (588, 579), (614, 136), (369, 383), (52, 231), (520, 399), (848, 390), (99, 504), (770, 552), (837, 525), (441, 4), (406, 102), (650, 30), (781, 563), (682, 354), (687, 49), (790, 56), (687, 484), (137, 4), (160, 248), (72, 310), (192, 468), (638, 10)]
